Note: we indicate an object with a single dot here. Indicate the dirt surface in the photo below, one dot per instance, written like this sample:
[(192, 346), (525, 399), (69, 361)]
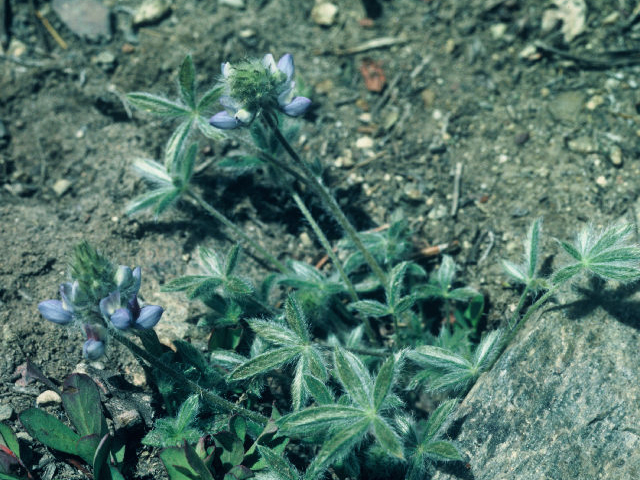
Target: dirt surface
[(529, 131)]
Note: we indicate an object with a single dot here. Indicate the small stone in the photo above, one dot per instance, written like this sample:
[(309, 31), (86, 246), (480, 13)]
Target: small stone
[(567, 106), (521, 138), (428, 97), (305, 240), (6, 413), (615, 156), (437, 213), (498, 30), (530, 53), (89, 19), (365, 142), (247, 33), (127, 419), (611, 18), (601, 181), (48, 397), (61, 186), (518, 212), (16, 48), (151, 11), (594, 102), (128, 48), (345, 160), (105, 60), (412, 192), (232, 3), (324, 86), (582, 145), (324, 13), (365, 117)]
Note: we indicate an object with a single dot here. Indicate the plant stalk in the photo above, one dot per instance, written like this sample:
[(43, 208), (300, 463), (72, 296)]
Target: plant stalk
[(237, 231), (211, 398), (312, 181)]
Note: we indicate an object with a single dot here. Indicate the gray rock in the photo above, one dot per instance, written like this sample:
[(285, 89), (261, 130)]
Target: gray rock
[(89, 19), (6, 413), (562, 402)]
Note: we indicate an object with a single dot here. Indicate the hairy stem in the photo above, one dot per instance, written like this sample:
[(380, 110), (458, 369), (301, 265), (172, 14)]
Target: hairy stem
[(212, 399), (312, 181), (238, 231)]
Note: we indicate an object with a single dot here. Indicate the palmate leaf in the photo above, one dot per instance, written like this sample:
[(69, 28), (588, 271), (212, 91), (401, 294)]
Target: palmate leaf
[(525, 273), (187, 82), (387, 438), (318, 390), (175, 145), (274, 333), (265, 362), (371, 308), (338, 446), (608, 253), (157, 105), (296, 319), (354, 377), (278, 464), (384, 382)]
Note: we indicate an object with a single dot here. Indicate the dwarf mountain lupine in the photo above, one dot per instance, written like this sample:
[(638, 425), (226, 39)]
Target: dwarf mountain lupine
[(81, 305), (256, 86)]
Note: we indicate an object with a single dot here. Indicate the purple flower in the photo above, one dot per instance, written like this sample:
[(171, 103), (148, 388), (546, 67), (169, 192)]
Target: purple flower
[(54, 311), (149, 317), (296, 107), (121, 318), (224, 121)]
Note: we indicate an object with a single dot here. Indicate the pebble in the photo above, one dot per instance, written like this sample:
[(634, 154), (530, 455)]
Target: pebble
[(345, 160), (127, 419), (615, 156), (530, 53), (305, 240), (365, 142), (61, 186), (498, 30), (324, 86), (594, 102), (88, 19), (151, 11), (48, 397), (521, 138), (232, 3), (324, 13), (601, 181), (6, 413), (412, 192), (437, 213), (582, 145), (567, 106), (105, 60), (428, 97)]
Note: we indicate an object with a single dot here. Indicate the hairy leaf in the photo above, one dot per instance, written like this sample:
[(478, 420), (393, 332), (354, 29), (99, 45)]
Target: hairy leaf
[(354, 377), (187, 82), (265, 362), (157, 105), (387, 438)]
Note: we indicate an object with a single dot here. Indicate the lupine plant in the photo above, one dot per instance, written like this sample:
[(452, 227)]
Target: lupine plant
[(340, 350)]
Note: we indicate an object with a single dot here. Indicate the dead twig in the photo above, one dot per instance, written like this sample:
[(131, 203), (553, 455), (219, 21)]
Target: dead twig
[(606, 59), (52, 31), (456, 189), (376, 43)]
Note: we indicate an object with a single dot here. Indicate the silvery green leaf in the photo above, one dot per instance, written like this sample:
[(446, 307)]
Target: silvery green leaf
[(237, 287), (487, 349), (566, 273), (209, 98), (396, 282), (463, 294), (453, 381), (274, 333), (387, 438), (205, 289), (187, 413), (354, 338), (153, 172), (157, 105), (336, 447), (429, 290), (306, 271), (187, 82), (318, 390), (442, 451), (427, 355), (175, 145), (437, 419), (166, 201), (517, 272), (183, 283), (608, 253), (265, 362), (384, 382), (211, 261), (278, 463), (403, 304), (532, 247), (295, 318), (186, 164), (354, 377), (446, 273), (372, 308), (147, 200), (316, 362), (232, 259), (318, 419), (298, 390), (227, 358)]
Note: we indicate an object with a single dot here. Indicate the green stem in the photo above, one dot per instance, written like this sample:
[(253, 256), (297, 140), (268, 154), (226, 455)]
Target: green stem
[(312, 181), (530, 311), (327, 246), (237, 231), (211, 398)]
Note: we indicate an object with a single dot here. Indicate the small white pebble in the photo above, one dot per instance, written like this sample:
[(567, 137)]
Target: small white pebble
[(48, 397), (601, 181)]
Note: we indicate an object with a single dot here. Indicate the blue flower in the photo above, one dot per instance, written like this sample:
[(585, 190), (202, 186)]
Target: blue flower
[(131, 316), (253, 86), (54, 311), (94, 346)]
